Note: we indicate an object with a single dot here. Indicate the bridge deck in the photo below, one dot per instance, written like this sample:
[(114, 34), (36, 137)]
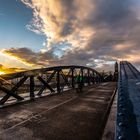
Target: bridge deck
[(67, 116)]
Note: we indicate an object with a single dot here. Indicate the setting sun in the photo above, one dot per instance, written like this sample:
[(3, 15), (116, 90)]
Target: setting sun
[(1, 72)]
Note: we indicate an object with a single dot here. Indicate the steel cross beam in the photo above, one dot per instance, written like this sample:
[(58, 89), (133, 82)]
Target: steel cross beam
[(64, 77), (45, 84), (12, 91), (57, 77)]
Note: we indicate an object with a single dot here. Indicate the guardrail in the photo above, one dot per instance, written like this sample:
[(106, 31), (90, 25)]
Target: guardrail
[(125, 123), (33, 83)]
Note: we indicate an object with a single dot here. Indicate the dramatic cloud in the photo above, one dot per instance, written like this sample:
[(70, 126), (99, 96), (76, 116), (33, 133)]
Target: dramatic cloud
[(95, 31), (62, 20), (30, 57), (47, 58)]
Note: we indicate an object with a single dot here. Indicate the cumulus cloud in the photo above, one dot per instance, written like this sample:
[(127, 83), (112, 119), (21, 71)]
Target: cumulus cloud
[(62, 20), (93, 30)]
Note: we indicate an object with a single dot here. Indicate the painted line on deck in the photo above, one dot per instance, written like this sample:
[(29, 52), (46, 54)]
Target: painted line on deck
[(51, 108), (38, 115)]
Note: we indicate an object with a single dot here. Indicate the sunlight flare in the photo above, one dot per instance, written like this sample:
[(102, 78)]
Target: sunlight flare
[(1, 72)]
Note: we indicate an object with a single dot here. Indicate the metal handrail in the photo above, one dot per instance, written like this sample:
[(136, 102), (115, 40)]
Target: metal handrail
[(55, 73)]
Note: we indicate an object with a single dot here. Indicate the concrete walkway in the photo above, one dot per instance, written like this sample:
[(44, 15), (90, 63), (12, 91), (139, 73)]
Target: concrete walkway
[(67, 116), (109, 132)]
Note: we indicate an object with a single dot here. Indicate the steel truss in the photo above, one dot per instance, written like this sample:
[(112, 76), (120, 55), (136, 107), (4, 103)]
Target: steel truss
[(57, 79)]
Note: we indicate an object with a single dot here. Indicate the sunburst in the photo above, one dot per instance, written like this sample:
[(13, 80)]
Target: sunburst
[(1, 72)]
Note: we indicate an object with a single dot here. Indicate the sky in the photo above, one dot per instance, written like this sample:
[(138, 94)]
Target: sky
[(93, 33)]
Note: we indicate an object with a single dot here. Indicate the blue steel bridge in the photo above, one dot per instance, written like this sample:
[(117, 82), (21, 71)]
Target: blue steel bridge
[(43, 104)]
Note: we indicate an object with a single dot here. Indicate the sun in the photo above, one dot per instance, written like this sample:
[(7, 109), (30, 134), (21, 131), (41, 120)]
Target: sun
[(1, 72)]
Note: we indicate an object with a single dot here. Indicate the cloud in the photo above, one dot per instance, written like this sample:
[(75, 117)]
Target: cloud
[(93, 29), (10, 70), (61, 20), (30, 57), (47, 58)]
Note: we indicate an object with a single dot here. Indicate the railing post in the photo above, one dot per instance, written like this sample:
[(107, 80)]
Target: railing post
[(58, 81), (116, 72), (97, 78), (72, 80), (82, 76), (88, 77), (32, 87), (94, 78)]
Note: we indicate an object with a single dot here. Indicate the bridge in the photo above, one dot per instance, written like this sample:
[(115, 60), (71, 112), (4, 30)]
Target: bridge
[(44, 104)]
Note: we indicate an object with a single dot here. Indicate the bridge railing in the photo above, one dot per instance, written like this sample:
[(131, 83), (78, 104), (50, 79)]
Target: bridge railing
[(125, 122), (31, 84)]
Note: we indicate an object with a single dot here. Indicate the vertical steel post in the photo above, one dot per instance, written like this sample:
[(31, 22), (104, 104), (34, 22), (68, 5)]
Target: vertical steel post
[(116, 72), (88, 76), (82, 76), (72, 80), (58, 81), (32, 87), (82, 72), (93, 77)]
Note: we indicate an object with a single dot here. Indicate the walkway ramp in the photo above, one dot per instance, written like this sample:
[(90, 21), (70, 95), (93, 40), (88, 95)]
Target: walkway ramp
[(65, 116)]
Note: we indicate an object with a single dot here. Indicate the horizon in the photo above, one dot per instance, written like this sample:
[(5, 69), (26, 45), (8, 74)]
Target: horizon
[(38, 33)]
